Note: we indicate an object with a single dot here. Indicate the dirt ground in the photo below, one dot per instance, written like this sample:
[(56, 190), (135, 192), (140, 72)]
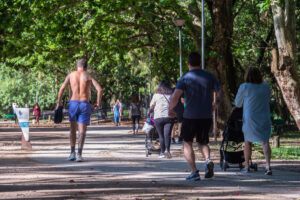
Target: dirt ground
[(116, 168)]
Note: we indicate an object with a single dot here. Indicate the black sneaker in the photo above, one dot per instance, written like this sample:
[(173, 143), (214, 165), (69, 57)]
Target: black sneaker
[(179, 140), (173, 141), (268, 172), (209, 169)]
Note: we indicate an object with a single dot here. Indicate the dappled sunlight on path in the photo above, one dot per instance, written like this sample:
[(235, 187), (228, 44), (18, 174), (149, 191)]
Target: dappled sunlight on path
[(116, 167)]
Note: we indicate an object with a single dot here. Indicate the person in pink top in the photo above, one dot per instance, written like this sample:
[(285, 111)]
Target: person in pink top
[(37, 112)]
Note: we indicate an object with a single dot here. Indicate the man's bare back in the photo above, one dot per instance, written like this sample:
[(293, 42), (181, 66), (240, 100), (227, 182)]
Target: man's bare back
[(80, 83)]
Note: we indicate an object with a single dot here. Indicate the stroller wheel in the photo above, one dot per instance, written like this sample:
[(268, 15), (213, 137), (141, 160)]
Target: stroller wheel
[(241, 166)]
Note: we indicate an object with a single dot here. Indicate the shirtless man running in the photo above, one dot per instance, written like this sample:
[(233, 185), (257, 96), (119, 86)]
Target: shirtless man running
[(79, 108)]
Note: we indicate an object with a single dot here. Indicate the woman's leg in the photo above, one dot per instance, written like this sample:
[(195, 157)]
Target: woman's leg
[(160, 130), (247, 153), (137, 124), (133, 123), (168, 126), (267, 152)]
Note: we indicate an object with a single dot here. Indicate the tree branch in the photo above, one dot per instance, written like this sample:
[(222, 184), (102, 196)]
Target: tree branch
[(67, 6), (264, 44), (240, 8)]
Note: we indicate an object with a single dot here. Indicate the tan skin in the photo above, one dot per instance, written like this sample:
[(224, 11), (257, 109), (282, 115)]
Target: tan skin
[(187, 146), (178, 125), (80, 82)]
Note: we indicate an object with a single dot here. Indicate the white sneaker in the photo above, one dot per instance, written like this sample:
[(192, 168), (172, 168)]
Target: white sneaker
[(79, 158), (72, 157), (161, 155)]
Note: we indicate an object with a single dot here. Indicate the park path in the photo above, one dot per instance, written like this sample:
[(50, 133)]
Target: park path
[(115, 167), (117, 155)]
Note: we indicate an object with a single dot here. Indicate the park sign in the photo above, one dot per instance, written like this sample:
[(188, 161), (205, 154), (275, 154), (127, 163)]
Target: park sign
[(23, 118)]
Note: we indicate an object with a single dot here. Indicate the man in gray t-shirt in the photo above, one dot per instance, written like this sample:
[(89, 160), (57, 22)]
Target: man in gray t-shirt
[(198, 87)]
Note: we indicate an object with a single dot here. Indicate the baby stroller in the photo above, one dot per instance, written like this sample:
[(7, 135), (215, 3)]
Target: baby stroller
[(151, 135), (231, 151)]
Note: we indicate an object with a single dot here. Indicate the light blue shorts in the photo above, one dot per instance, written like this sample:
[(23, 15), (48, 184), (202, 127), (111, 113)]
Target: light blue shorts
[(80, 111)]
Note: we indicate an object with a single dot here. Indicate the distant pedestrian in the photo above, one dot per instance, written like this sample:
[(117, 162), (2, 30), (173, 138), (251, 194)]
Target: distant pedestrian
[(14, 106), (117, 113), (254, 97), (121, 110), (135, 114), (37, 113), (198, 87), (163, 123)]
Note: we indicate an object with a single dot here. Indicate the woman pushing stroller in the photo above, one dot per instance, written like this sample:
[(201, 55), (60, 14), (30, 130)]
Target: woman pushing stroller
[(163, 124), (254, 97)]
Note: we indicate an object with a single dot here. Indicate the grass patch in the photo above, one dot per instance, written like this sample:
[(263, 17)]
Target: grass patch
[(283, 152)]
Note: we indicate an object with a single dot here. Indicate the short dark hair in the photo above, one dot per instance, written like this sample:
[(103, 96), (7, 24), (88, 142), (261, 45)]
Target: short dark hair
[(194, 59), (82, 62), (253, 75)]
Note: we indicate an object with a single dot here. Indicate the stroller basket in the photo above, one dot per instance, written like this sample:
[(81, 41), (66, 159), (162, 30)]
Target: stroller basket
[(150, 140), (231, 150)]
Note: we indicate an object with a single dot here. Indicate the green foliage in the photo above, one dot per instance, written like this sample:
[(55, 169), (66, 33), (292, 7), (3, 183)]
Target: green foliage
[(47, 37), (20, 87), (264, 5)]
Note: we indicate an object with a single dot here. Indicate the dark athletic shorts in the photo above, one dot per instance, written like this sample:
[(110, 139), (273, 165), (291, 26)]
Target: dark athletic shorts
[(198, 128), (179, 117)]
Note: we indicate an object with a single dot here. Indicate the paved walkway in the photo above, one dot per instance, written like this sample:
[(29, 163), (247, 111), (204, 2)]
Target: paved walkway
[(113, 152)]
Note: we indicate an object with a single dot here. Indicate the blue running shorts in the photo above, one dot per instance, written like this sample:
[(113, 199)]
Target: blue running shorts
[(80, 111)]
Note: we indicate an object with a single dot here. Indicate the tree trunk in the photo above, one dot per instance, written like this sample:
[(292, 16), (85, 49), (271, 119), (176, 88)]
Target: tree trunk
[(222, 63), (283, 64)]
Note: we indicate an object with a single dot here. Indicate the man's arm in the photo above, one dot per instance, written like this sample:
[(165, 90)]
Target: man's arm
[(99, 92), (62, 89), (174, 100)]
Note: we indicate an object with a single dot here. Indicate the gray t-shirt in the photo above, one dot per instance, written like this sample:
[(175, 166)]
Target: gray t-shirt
[(135, 109), (198, 87)]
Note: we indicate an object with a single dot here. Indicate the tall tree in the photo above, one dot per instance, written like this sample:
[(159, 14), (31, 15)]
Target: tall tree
[(221, 60), (284, 57)]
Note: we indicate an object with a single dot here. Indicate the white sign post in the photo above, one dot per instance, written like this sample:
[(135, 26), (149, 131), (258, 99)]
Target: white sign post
[(23, 118)]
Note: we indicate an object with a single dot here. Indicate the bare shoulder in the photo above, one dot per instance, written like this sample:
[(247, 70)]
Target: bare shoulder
[(71, 74), (88, 76)]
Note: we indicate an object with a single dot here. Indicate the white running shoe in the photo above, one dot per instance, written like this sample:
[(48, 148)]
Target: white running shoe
[(161, 155), (79, 158), (72, 157)]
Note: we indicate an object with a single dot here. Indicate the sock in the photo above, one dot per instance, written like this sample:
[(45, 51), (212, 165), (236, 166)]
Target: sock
[(72, 149), (79, 151)]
